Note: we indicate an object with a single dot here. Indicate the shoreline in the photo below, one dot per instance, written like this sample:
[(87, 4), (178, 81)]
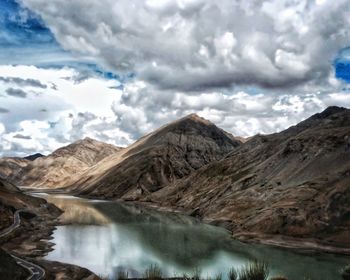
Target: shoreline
[(299, 245), (31, 241)]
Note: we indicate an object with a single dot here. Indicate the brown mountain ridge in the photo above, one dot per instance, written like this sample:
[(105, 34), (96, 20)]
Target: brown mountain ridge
[(295, 183), (291, 185), (58, 168), (171, 152)]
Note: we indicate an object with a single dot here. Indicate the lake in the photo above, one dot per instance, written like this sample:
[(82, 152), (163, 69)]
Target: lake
[(107, 237)]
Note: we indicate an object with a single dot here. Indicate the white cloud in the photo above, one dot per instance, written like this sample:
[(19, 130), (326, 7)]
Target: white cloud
[(49, 117), (248, 66), (143, 108), (2, 128), (197, 44)]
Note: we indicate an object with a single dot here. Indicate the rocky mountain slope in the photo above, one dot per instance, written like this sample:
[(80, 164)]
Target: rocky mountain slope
[(57, 169), (295, 183), (157, 159)]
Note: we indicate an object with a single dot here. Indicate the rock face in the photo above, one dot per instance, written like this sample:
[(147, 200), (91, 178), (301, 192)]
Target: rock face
[(295, 183), (57, 169), (157, 159)]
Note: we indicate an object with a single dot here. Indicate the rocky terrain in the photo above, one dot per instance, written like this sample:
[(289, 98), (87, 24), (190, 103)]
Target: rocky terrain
[(29, 240), (294, 184), (285, 188), (172, 152), (57, 169)]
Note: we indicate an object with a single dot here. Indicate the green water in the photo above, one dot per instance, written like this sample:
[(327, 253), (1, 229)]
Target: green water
[(106, 237)]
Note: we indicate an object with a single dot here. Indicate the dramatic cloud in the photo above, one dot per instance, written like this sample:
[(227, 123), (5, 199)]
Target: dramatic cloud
[(143, 108), (116, 70), (197, 44), (54, 116)]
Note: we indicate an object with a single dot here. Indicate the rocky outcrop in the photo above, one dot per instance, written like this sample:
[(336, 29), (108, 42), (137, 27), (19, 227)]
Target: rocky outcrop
[(57, 169), (172, 152), (295, 183)]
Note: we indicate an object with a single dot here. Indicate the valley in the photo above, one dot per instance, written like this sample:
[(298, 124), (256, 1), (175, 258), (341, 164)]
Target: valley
[(288, 190)]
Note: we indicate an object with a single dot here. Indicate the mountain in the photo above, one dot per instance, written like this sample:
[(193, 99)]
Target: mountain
[(34, 156), (294, 183), (57, 169), (172, 152), (290, 185)]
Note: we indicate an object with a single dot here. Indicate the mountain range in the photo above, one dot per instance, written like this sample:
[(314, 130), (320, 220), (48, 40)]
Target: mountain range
[(292, 185)]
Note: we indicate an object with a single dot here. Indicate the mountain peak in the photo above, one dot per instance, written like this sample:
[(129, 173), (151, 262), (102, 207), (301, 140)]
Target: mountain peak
[(88, 139), (86, 149), (192, 116), (196, 118), (330, 111), (192, 128), (334, 114)]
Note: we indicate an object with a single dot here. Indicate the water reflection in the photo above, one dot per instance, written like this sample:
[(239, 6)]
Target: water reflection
[(132, 237)]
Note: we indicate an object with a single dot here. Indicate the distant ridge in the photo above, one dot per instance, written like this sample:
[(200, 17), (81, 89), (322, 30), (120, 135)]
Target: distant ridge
[(58, 168), (33, 157)]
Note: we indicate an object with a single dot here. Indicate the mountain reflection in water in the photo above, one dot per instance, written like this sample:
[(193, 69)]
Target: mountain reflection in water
[(109, 236)]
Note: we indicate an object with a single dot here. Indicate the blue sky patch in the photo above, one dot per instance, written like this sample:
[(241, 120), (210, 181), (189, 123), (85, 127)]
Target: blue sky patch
[(21, 26), (342, 65), (26, 40)]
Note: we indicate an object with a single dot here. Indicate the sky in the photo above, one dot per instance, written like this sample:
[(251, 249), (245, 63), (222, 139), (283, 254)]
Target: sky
[(114, 70)]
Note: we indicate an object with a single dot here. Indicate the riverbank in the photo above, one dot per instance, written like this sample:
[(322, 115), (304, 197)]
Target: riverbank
[(301, 245), (108, 237), (27, 238), (306, 245)]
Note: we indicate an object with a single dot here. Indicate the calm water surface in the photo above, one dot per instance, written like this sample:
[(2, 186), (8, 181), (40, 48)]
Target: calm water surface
[(106, 237)]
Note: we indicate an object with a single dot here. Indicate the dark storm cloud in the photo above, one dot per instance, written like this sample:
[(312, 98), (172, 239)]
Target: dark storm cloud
[(20, 136), (16, 92), (4, 111), (23, 82)]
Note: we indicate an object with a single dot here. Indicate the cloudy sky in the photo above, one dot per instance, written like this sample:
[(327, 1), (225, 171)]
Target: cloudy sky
[(114, 70)]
